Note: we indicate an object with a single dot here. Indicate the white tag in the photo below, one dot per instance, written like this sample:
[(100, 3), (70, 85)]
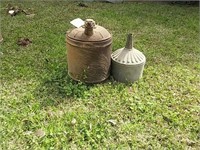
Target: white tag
[(77, 22)]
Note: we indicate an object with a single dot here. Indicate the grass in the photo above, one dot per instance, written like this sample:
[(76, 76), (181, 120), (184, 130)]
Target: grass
[(42, 108)]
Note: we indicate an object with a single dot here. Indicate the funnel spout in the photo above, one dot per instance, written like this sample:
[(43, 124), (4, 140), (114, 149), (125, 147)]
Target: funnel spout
[(129, 42)]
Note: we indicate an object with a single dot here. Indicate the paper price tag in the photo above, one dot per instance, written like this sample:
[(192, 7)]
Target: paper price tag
[(77, 22)]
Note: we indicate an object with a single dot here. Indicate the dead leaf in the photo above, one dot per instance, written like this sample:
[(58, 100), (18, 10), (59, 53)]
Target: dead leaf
[(11, 12), (90, 126), (30, 15), (28, 132), (50, 113), (190, 143), (14, 10), (73, 122), (130, 90), (112, 122), (24, 41), (40, 133)]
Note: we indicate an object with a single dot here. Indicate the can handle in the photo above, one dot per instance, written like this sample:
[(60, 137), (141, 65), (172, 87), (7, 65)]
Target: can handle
[(89, 26), (129, 42)]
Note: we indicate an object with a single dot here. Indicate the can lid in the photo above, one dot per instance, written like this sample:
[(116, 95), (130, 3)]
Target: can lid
[(89, 32), (128, 55)]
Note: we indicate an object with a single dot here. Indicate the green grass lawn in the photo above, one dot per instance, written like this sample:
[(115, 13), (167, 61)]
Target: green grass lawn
[(42, 108)]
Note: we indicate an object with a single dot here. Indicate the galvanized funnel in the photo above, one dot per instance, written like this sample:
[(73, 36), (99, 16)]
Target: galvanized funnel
[(128, 62)]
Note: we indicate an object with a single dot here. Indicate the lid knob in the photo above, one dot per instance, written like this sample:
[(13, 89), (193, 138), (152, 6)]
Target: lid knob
[(129, 42), (89, 26)]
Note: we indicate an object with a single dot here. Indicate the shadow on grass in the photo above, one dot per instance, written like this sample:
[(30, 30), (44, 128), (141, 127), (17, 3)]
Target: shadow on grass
[(59, 88), (177, 3), (185, 3)]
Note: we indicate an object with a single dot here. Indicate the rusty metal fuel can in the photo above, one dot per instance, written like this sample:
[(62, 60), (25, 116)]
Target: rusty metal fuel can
[(88, 53)]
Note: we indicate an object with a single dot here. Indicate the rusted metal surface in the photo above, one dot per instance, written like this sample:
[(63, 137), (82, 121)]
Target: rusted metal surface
[(88, 53)]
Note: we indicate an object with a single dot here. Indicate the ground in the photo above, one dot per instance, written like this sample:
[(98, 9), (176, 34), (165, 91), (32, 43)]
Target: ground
[(42, 108)]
